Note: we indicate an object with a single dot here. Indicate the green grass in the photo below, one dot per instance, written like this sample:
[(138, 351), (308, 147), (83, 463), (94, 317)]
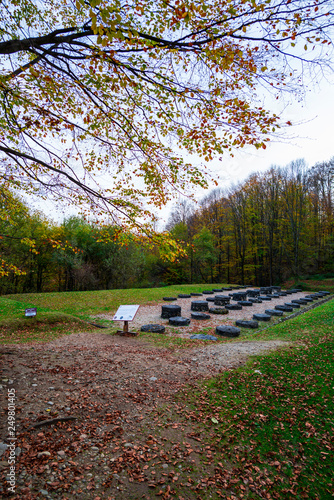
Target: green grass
[(275, 416), (16, 328), (88, 304)]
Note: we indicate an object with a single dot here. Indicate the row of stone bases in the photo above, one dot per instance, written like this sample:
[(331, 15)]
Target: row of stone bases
[(222, 305)]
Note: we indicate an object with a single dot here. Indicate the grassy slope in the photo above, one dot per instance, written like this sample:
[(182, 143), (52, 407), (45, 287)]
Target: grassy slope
[(84, 304)]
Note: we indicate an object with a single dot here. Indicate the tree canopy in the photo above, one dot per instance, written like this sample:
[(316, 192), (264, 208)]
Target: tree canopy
[(101, 99)]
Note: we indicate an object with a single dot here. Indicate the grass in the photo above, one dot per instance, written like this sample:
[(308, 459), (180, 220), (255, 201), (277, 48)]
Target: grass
[(86, 305), (15, 328), (271, 423)]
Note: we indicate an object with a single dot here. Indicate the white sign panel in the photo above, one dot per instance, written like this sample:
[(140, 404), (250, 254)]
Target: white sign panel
[(32, 311), (126, 313)]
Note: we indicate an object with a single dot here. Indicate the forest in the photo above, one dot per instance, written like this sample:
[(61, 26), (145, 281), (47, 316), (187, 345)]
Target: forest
[(274, 226)]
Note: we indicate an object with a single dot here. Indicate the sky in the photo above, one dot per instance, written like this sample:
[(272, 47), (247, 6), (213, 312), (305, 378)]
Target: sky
[(310, 137)]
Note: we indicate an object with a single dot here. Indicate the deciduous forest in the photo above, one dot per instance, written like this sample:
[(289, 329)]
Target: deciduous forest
[(275, 225)]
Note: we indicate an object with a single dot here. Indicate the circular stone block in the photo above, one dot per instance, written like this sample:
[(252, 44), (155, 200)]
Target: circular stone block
[(233, 307), (184, 296), (307, 299), (196, 294), (207, 292), (201, 336), (245, 303), (228, 331), (292, 304), (221, 302), (199, 305), (218, 310), (283, 294), (284, 308), (169, 299), (239, 296), (302, 302), (153, 328), (247, 324), (200, 315), (255, 301), (312, 296), (170, 311), (179, 321), (210, 299), (273, 312), (264, 297), (261, 317), (217, 289)]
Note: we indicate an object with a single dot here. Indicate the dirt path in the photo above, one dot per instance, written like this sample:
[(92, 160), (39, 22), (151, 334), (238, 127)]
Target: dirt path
[(110, 385)]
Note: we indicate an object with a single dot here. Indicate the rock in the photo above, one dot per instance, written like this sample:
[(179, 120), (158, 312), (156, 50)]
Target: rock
[(228, 331), (200, 315), (170, 311), (255, 301), (184, 296), (284, 308), (217, 290), (264, 297), (299, 301), (247, 324), (44, 492), (153, 328), (207, 292), (218, 310), (261, 317), (165, 466), (201, 336), (179, 321), (245, 303), (233, 307), (169, 299), (43, 454), (199, 305), (292, 304), (95, 448), (221, 300), (153, 379), (274, 312), (83, 436), (196, 294), (61, 453), (210, 299), (239, 296), (3, 448)]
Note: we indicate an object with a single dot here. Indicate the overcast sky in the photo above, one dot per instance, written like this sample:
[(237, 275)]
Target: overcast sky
[(311, 137)]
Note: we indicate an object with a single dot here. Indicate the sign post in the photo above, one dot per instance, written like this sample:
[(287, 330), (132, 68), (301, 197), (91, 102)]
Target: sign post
[(126, 314)]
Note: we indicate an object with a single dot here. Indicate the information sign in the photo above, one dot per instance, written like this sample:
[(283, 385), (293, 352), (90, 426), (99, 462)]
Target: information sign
[(32, 311), (126, 313)]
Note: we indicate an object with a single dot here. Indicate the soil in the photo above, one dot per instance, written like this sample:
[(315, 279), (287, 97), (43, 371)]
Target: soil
[(116, 446)]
